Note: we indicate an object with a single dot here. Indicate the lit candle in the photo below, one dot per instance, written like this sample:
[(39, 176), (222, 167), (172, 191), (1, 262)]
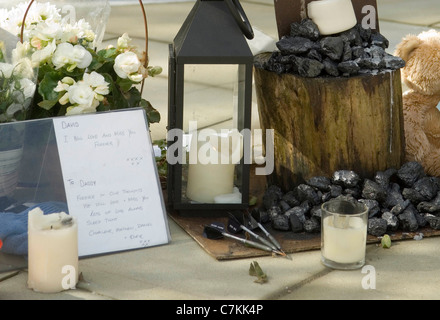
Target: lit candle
[(53, 251), (332, 16), (212, 167), (344, 234)]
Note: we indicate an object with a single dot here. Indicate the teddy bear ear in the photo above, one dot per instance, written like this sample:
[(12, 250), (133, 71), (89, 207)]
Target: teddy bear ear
[(408, 45)]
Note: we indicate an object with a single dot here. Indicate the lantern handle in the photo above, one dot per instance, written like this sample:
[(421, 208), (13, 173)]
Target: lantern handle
[(241, 18)]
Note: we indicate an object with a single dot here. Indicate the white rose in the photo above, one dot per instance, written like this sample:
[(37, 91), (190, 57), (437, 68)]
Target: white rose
[(97, 81), (123, 42), (43, 55), (71, 57), (126, 64), (81, 56), (81, 94)]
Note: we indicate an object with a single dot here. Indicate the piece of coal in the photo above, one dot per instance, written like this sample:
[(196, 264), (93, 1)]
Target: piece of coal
[(326, 197), (352, 36), (283, 206), (335, 190), (410, 172), (281, 222), (331, 67), (319, 182), (398, 208), (364, 33), (316, 212), (413, 195), (271, 196), (434, 221), (355, 192), (332, 47), (407, 219), (394, 195), (305, 192), (346, 178), (377, 226), (432, 206), (393, 62), (375, 52), (298, 211), (308, 68), (312, 225), (260, 215), (369, 63), (372, 205), (306, 28), (377, 39), (274, 211), (358, 52), (296, 224), (392, 221), (314, 55), (294, 45), (290, 199), (421, 219), (427, 188), (373, 191), (347, 54)]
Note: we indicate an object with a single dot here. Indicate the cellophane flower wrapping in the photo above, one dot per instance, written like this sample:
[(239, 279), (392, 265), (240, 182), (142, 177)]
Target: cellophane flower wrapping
[(18, 78)]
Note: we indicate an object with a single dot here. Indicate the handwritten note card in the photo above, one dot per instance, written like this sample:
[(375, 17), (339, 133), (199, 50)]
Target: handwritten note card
[(111, 181)]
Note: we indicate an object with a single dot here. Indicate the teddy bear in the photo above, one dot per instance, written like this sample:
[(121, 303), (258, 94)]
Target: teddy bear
[(421, 115)]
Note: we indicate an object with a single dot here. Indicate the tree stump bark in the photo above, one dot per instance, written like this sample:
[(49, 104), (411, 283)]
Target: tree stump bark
[(326, 124)]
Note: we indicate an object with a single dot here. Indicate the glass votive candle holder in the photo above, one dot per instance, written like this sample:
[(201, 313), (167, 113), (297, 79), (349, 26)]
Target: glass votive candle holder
[(343, 234)]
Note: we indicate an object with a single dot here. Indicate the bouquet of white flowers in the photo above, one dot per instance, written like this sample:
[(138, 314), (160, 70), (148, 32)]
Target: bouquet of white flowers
[(72, 77)]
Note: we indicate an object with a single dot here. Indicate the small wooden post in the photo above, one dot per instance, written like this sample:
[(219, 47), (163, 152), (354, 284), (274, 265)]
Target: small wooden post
[(326, 124)]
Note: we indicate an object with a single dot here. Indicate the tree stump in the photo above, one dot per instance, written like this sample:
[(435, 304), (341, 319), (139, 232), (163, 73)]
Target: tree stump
[(331, 123)]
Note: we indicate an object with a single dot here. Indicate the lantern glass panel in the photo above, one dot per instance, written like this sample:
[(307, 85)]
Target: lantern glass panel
[(212, 104)]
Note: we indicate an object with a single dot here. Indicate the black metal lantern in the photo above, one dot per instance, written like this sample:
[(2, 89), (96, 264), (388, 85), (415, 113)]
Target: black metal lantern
[(210, 73)]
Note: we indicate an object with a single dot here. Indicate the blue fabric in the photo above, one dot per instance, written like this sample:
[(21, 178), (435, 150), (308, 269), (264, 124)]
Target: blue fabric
[(14, 227)]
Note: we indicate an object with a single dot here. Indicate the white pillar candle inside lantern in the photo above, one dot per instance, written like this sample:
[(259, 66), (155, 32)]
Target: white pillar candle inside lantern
[(211, 167), (53, 251), (332, 16), (343, 234)]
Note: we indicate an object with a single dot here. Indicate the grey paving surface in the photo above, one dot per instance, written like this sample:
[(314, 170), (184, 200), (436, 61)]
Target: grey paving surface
[(183, 270)]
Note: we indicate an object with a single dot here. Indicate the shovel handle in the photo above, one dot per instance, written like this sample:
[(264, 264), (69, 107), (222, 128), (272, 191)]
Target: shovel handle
[(249, 243), (271, 237)]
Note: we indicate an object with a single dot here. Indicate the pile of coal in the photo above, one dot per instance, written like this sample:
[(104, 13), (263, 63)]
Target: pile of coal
[(356, 51), (404, 199)]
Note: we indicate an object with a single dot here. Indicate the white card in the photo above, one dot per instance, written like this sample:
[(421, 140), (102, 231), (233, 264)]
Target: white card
[(111, 181)]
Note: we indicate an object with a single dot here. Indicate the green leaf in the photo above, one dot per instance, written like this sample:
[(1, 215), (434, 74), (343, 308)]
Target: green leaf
[(47, 104), (125, 84), (256, 271), (48, 84), (152, 114), (386, 242)]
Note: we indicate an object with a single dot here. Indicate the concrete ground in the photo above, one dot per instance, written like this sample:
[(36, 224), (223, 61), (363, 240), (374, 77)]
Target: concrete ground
[(182, 270)]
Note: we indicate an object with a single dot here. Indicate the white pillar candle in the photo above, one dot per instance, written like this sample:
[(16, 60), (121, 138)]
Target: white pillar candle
[(52, 251), (332, 16), (344, 245), (212, 166)]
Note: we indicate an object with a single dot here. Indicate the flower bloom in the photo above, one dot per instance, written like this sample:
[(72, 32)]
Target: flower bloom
[(67, 55), (85, 95), (128, 65)]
